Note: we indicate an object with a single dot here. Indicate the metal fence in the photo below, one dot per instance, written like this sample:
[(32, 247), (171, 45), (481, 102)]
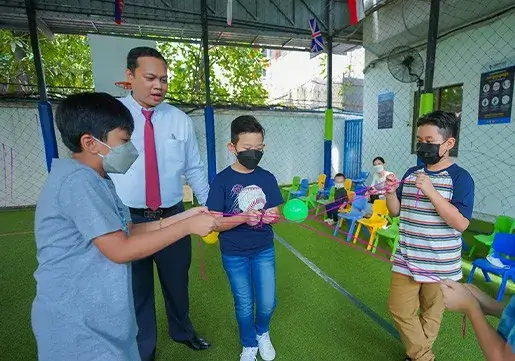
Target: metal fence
[(473, 40), (294, 146)]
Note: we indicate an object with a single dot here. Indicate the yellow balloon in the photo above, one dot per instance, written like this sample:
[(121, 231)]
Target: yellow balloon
[(211, 238)]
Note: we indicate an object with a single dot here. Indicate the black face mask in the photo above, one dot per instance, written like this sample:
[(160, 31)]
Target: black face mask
[(429, 153), (249, 158)]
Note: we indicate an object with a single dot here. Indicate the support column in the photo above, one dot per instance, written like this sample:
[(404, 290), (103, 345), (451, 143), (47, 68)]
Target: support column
[(209, 114), (46, 117), (427, 97), (328, 133)]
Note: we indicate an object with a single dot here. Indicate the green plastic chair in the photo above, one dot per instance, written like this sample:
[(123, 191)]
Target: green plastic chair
[(390, 234), (311, 198), (295, 184), (503, 224), (324, 202)]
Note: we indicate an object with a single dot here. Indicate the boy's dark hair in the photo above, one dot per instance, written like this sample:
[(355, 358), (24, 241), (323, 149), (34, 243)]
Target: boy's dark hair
[(90, 113), (245, 124), (381, 159), (140, 52), (339, 175), (446, 122)]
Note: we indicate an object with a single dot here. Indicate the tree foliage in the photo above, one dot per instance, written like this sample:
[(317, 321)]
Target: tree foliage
[(66, 60), (235, 72)]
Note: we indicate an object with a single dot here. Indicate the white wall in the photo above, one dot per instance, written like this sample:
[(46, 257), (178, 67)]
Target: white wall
[(295, 146), (109, 58), (486, 151)]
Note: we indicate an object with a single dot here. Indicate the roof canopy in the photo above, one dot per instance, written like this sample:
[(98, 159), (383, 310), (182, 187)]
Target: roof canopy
[(281, 24)]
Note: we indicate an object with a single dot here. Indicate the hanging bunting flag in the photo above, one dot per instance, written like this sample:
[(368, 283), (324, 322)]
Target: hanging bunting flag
[(356, 11), (118, 9), (229, 12), (317, 41)]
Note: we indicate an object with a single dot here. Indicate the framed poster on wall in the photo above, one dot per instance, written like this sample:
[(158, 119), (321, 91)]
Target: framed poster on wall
[(385, 110), (496, 96)]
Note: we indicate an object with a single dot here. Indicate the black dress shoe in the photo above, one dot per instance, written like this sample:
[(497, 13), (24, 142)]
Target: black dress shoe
[(196, 343)]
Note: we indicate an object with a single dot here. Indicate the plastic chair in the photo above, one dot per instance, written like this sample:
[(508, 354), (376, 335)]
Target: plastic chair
[(311, 198), (347, 207), (321, 180), (324, 193), (360, 181), (295, 184), (503, 224), (358, 206), (302, 191), (324, 202), (503, 249), (376, 221), (390, 234), (347, 185)]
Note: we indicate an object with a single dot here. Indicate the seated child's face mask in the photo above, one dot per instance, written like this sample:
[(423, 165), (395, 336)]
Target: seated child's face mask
[(338, 185), (120, 158)]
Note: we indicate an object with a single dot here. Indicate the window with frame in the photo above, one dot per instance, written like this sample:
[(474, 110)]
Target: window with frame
[(448, 98)]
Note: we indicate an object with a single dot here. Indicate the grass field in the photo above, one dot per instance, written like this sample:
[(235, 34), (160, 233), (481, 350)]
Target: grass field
[(313, 321)]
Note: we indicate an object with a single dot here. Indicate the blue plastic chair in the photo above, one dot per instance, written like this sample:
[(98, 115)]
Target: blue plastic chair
[(303, 189), (360, 181), (356, 212), (503, 248), (324, 193)]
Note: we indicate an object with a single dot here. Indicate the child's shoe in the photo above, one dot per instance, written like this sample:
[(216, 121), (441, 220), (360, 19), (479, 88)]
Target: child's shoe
[(249, 354), (266, 349)]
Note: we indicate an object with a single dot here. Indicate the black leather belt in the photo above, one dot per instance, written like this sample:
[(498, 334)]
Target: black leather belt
[(158, 213)]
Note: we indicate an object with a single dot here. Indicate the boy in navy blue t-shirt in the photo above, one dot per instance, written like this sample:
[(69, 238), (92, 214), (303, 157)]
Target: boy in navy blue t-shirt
[(248, 197)]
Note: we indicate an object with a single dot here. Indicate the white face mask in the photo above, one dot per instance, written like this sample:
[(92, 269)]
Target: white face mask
[(378, 168), (338, 185)]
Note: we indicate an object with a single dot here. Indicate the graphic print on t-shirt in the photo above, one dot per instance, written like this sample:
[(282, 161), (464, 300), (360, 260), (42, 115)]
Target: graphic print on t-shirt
[(247, 198)]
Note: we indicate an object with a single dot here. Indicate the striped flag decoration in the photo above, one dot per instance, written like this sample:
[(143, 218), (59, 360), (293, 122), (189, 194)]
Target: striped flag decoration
[(118, 9), (317, 41), (356, 11)]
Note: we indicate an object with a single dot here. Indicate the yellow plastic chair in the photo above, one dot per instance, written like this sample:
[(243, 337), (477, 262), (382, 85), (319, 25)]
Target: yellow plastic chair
[(375, 222), (347, 185), (321, 181), (348, 206)]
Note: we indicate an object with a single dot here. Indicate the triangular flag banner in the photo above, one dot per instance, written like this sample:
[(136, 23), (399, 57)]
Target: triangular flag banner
[(356, 11), (118, 9), (229, 12), (317, 40)]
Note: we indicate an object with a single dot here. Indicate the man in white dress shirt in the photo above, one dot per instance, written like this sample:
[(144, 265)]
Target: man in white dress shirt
[(152, 188)]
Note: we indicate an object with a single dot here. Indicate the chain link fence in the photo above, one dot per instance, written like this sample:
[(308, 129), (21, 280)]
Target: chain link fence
[(473, 39), (294, 146)]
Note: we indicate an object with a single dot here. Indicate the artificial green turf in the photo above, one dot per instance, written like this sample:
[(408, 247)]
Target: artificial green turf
[(313, 321)]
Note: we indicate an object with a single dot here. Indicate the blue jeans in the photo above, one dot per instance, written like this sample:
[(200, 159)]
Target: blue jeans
[(252, 278)]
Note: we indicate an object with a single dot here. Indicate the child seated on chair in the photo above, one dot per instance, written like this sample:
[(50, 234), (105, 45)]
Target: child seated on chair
[(340, 199)]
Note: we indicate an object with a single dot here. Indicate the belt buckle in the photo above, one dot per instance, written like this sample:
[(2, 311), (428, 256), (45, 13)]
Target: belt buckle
[(152, 214)]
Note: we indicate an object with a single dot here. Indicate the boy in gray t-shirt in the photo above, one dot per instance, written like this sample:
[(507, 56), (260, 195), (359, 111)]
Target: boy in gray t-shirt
[(83, 309)]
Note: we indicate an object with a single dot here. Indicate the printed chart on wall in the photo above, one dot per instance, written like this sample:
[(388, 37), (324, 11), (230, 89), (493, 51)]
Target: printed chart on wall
[(496, 96), (385, 110)]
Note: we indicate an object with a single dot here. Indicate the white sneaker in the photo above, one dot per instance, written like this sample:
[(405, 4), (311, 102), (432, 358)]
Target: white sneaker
[(266, 349), (249, 354)]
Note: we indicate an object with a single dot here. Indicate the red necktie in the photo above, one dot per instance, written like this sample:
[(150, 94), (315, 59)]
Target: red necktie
[(153, 193)]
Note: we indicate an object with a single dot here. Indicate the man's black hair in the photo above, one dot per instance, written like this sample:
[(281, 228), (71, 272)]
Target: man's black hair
[(140, 52), (245, 124), (339, 175), (91, 113), (381, 159), (447, 123)]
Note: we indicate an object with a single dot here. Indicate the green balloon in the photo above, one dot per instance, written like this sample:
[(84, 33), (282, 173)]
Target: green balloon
[(295, 210)]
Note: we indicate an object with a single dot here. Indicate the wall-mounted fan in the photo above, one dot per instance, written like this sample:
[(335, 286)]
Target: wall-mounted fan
[(406, 65)]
